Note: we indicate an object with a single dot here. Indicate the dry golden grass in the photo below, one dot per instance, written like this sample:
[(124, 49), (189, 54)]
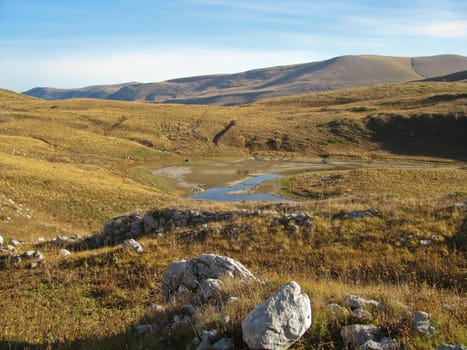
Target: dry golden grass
[(68, 166)]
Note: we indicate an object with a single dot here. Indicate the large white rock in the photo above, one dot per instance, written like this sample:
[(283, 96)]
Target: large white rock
[(182, 277), (213, 266), (1, 240), (279, 321)]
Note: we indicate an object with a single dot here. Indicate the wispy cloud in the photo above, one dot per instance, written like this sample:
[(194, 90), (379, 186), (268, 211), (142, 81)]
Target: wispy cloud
[(439, 29)]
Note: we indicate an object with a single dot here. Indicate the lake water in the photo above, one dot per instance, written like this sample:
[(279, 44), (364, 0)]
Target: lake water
[(238, 192)]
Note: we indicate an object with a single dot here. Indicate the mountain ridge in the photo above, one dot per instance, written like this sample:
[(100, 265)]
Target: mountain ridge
[(249, 86)]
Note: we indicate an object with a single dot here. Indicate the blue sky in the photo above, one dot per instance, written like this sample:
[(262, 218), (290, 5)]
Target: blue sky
[(65, 44)]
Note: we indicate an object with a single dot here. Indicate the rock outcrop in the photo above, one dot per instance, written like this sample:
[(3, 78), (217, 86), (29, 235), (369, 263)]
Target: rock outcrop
[(280, 321), (201, 277)]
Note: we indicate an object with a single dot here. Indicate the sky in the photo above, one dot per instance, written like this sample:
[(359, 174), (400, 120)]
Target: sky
[(69, 43)]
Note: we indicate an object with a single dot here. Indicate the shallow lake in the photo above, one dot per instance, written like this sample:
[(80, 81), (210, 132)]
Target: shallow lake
[(238, 180), (239, 192)]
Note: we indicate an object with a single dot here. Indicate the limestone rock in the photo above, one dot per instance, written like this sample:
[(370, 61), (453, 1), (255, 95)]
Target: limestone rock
[(14, 243), (1, 240), (358, 334), (172, 280), (130, 245), (421, 322), (279, 321), (362, 315), (210, 291), (192, 276), (384, 344), (64, 252), (33, 254), (354, 301)]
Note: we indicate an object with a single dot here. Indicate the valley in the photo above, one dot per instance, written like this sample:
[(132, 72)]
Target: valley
[(376, 186)]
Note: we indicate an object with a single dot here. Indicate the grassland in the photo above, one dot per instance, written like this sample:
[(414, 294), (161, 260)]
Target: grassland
[(68, 166)]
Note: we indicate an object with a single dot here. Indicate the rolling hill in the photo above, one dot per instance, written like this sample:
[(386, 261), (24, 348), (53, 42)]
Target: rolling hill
[(336, 73), (68, 166)]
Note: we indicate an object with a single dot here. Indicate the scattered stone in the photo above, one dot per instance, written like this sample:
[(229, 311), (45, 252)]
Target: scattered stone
[(33, 254), (421, 322), (10, 248), (14, 243), (384, 344), (280, 321), (130, 245), (63, 252), (354, 301), (358, 334), (32, 265), (1, 240), (362, 315), (185, 277), (61, 240), (41, 240), (451, 347)]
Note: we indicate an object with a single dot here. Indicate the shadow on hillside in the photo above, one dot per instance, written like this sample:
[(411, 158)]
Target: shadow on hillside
[(124, 341), (435, 135)]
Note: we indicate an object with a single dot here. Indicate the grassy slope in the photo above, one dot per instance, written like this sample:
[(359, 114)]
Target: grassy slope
[(67, 166)]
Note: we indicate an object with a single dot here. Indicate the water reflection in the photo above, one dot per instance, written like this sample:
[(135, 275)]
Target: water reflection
[(237, 193)]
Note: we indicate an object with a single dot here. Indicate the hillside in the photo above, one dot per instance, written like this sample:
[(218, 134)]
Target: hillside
[(336, 73), (393, 230), (457, 76)]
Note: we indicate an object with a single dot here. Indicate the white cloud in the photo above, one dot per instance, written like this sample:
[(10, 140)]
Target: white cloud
[(441, 29), (20, 74)]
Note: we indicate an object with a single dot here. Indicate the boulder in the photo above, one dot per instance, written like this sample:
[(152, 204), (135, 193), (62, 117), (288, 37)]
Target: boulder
[(362, 315), (1, 240), (14, 243), (358, 334), (185, 277), (172, 280), (354, 301), (33, 254), (210, 291), (130, 245), (64, 252), (279, 321), (421, 322)]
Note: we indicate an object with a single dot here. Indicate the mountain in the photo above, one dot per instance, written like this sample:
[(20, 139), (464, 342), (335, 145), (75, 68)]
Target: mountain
[(230, 89)]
